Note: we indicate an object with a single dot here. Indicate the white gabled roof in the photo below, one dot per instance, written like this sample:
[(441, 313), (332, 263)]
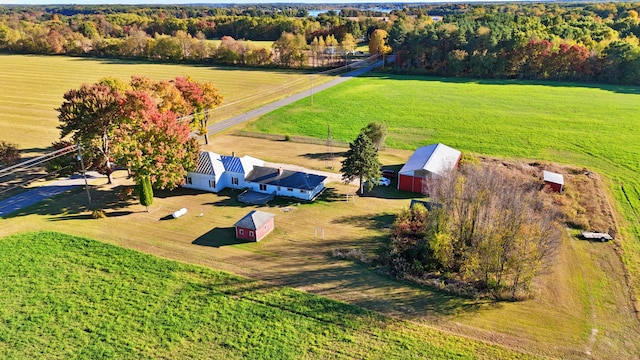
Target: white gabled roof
[(552, 177), (436, 158), (209, 163), (248, 162)]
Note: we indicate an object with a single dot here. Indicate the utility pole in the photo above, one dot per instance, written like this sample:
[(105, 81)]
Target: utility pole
[(84, 175)]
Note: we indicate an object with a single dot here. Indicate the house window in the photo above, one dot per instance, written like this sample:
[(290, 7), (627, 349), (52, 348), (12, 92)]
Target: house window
[(250, 233), (290, 189), (189, 181), (278, 188), (241, 231), (234, 181), (263, 187), (303, 191), (212, 183)]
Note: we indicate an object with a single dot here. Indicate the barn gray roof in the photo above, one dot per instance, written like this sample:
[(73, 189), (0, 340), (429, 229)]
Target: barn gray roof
[(254, 220), (435, 158)]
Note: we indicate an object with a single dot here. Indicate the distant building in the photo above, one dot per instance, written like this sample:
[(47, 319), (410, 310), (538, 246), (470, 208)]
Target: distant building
[(426, 163), (216, 172), (553, 180), (254, 226)]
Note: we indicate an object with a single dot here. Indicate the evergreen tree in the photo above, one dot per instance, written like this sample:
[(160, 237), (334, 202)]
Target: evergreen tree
[(146, 192), (361, 162)]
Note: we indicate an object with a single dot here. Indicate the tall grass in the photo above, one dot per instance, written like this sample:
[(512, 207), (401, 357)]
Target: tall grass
[(66, 296)]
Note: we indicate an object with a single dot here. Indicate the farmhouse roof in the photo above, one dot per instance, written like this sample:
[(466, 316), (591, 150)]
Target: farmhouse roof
[(242, 165), (284, 178), (552, 177), (209, 163), (254, 220), (435, 158)]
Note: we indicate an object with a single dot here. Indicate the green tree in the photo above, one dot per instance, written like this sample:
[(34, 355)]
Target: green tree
[(145, 191), (361, 162), (377, 133), (288, 49)]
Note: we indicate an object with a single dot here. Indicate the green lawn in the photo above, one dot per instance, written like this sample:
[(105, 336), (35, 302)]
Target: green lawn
[(581, 124), (31, 87), (65, 296)]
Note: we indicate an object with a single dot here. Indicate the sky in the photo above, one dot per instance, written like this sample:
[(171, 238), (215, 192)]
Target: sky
[(176, 2)]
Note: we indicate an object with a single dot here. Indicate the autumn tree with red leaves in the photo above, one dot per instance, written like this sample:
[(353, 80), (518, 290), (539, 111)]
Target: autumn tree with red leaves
[(136, 125), (152, 143), (202, 97)]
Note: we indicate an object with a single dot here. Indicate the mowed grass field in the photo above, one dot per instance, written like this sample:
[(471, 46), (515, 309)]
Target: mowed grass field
[(31, 88), (586, 125), (66, 296)]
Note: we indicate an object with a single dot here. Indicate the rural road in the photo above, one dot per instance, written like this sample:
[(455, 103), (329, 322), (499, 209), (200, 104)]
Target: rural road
[(233, 121)]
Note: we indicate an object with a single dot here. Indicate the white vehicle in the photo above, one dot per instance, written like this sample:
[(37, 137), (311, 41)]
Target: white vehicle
[(384, 181)]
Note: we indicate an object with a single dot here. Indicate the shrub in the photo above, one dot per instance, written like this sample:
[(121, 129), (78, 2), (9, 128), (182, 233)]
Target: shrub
[(9, 153), (98, 214)]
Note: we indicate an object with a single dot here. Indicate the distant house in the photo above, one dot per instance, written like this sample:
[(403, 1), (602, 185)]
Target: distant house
[(553, 180), (216, 172), (426, 163), (296, 184), (254, 226)]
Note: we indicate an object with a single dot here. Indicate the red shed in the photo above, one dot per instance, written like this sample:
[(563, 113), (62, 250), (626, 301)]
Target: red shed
[(426, 163), (553, 180), (254, 226)]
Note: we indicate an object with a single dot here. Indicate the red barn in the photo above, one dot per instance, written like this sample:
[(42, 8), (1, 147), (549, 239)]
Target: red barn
[(553, 180), (254, 226), (426, 163)]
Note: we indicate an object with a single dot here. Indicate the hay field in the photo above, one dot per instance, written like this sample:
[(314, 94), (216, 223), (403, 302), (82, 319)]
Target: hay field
[(31, 87)]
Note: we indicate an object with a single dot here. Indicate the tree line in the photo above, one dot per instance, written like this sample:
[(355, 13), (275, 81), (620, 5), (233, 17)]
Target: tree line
[(162, 34), (595, 42)]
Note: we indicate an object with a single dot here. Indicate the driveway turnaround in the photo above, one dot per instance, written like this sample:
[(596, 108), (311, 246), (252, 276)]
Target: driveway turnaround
[(43, 192)]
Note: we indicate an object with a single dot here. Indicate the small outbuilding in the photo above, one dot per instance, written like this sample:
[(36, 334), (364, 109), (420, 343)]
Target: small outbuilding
[(553, 180), (254, 226), (426, 163)]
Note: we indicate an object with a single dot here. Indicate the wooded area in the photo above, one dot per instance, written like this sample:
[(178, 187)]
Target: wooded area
[(576, 42), (485, 232)]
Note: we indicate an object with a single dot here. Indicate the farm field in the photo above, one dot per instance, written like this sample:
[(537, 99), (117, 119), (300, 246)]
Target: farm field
[(576, 296), (68, 296), (31, 88), (587, 125)]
